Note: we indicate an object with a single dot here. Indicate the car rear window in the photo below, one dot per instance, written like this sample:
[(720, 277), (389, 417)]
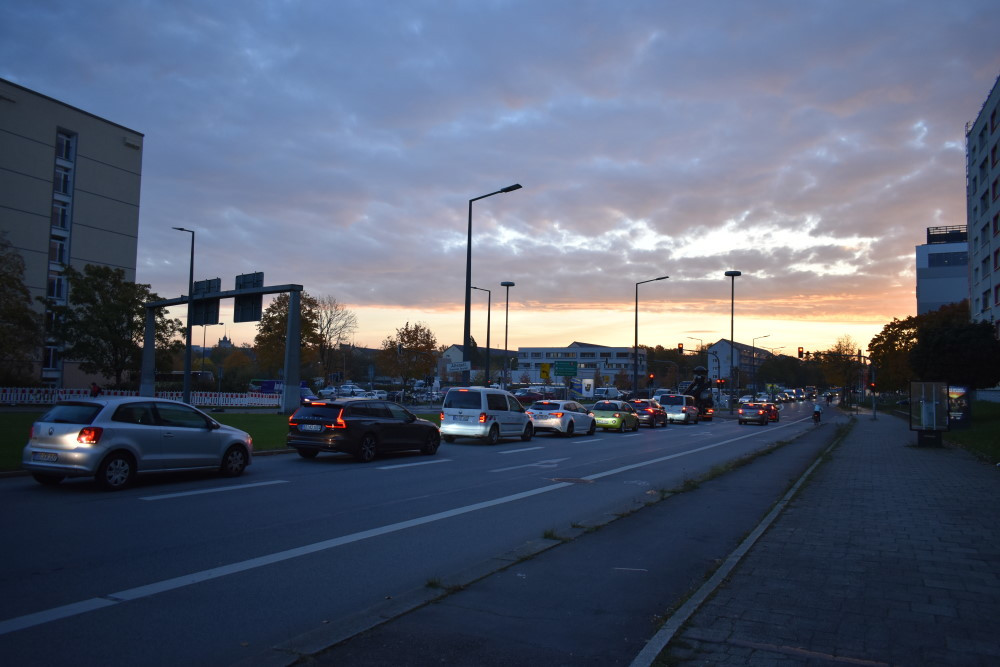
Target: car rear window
[(671, 400), (469, 400), (72, 413), (605, 405), (544, 405), (326, 411)]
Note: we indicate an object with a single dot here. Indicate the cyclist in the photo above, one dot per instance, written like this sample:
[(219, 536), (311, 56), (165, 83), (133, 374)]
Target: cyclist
[(817, 411)]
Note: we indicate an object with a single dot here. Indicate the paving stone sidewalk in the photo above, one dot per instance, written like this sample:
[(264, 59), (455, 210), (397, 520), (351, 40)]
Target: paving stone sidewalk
[(889, 555)]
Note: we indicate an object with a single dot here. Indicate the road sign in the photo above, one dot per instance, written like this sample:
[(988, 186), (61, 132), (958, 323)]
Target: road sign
[(460, 366), (566, 369)]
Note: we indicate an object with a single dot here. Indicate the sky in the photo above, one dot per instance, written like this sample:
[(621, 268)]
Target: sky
[(336, 144)]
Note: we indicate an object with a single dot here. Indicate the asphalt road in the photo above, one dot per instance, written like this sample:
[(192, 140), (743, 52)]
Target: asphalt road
[(201, 570)]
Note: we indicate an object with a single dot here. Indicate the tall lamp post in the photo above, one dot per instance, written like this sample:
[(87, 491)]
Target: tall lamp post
[(187, 343), (489, 301), (635, 347), (700, 345), (732, 343), (506, 362), (466, 338), (753, 360)]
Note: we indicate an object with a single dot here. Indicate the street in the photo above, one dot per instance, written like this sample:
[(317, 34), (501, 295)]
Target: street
[(206, 571)]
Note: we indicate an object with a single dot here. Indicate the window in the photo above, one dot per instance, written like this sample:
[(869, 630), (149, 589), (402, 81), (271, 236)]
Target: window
[(587, 355), (993, 155), (62, 180), (57, 251), (60, 215), (180, 415), (57, 286), (986, 266), (947, 259), (605, 355), (536, 355), (65, 143), (996, 295), (996, 188), (993, 121), (50, 357), (985, 300)]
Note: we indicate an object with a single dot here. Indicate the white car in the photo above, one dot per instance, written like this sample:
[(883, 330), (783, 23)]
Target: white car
[(327, 392), (561, 417), (488, 414), (381, 394), (679, 408)]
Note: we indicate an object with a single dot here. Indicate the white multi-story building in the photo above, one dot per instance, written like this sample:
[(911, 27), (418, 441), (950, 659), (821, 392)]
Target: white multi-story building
[(982, 139), (605, 365), (942, 268), (69, 196)]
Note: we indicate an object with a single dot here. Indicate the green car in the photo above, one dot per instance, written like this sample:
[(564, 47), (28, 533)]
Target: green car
[(617, 415)]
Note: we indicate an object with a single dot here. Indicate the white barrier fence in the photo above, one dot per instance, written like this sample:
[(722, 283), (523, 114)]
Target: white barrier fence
[(47, 396)]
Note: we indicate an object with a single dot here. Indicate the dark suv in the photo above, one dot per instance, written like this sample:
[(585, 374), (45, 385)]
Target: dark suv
[(649, 412), (363, 427)]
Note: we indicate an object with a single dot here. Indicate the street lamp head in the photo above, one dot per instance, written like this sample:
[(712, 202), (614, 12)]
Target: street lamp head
[(507, 283), (511, 188), (733, 274), (181, 229)]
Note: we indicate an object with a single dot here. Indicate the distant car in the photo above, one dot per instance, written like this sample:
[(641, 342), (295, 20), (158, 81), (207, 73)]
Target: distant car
[(649, 412), (115, 438), (753, 412), (327, 392), (680, 408), (528, 397), (306, 396), (746, 398), (381, 394), (361, 427), (561, 417), (773, 413), (615, 415)]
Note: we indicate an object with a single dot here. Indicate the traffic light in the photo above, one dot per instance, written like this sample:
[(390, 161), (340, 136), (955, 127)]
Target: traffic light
[(871, 387), (802, 352), (651, 376), (680, 347)]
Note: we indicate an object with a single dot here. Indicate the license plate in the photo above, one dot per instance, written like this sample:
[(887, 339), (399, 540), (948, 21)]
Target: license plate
[(605, 421), (44, 456), (460, 418), (310, 427)]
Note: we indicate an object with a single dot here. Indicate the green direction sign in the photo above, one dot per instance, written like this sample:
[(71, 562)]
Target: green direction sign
[(566, 369)]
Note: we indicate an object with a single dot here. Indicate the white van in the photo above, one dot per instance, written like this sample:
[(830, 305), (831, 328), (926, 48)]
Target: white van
[(481, 412)]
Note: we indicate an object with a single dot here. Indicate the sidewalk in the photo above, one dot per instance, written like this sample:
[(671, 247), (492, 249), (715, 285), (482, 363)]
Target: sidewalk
[(888, 555)]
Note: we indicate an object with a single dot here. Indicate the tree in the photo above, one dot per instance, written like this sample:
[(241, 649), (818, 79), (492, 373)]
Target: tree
[(335, 325), (269, 343), (103, 323), (955, 350), (20, 324), (890, 352), (411, 353), (840, 365)]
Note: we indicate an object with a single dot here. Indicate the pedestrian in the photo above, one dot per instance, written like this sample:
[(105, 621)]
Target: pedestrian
[(95, 390)]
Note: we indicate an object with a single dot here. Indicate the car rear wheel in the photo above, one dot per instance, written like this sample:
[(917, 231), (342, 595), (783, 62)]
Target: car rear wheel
[(636, 427), (593, 428), (48, 480), (234, 462), (431, 444), (367, 448), (493, 437), (116, 471), (529, 431), (621, 426), (308, 453), (570, 428)]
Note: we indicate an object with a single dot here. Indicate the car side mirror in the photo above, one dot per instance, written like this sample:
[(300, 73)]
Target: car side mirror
[(213, 425)]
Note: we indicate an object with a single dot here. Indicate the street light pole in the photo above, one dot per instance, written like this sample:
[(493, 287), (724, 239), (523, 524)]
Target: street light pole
[(508, 284), (635, 347), (466, 337), (700, 345), (187, 343), (489, 301), (753, 360), (732, 343)]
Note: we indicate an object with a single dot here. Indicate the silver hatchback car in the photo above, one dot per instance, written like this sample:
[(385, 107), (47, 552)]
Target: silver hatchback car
[(113, 439)]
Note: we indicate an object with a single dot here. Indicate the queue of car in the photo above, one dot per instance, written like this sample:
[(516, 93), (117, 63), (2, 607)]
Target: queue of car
[(114, 439)]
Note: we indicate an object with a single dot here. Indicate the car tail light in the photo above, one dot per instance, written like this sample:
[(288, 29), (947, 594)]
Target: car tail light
[(649, 410), (441, 416), (89, 435), (529, 413), (339, 421), (482, 417), (618, 415), (558, 415)]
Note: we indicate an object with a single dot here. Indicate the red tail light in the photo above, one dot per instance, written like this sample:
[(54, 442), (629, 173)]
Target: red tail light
[(482, 417), (339, 421), (441, 417), (89, 435), (556, 414)]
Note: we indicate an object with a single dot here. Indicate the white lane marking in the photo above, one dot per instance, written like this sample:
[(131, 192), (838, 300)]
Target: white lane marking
[(84, 606), (522, 449), (549, 463), (410, 465), (218, 489)]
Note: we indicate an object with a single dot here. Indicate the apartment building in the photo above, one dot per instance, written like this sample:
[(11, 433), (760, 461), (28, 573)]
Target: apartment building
[(982, 139), (69, 196), (942, 268)]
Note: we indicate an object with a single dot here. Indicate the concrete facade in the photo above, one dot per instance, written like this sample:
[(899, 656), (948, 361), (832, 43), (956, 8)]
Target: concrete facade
[(983, 210), (69, 196)]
